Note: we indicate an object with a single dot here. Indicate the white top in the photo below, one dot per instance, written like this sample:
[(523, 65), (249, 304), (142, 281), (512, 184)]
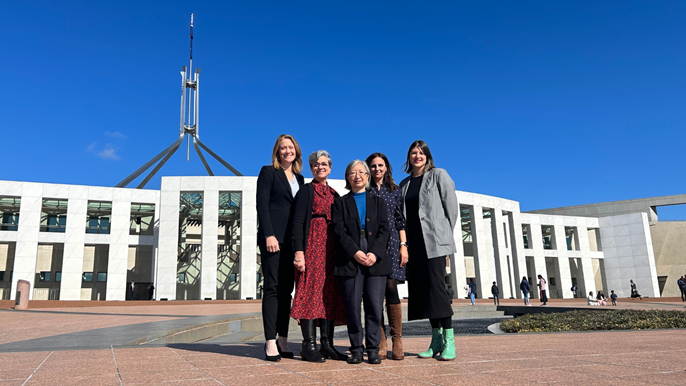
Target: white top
[(294, 186)]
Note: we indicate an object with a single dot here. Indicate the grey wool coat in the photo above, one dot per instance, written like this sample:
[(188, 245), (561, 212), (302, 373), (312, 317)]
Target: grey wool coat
[(438, 211)]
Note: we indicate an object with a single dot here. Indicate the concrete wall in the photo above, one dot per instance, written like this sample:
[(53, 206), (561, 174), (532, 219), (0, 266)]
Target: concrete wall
[(669, 246)]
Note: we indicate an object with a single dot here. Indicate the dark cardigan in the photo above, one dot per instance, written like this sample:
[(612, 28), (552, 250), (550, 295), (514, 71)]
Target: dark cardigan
[(302, 216)]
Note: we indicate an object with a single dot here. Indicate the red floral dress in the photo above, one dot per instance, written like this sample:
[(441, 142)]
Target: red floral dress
[(317, 290)]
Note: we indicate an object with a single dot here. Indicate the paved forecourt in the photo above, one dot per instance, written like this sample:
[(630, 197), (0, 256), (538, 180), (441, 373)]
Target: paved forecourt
[(34, 350)]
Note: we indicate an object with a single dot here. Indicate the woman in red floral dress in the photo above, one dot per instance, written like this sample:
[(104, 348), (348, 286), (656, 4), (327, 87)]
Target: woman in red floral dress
[(317, 292)]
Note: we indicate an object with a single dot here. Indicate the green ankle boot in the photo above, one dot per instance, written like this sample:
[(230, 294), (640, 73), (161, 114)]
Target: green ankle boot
[(448, 352), (436, 344)]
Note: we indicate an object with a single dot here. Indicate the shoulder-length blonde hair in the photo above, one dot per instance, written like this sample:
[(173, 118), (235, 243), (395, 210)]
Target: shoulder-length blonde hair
[(297, 163)]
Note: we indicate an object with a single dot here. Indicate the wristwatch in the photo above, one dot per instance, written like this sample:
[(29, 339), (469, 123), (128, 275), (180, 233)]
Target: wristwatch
[(403, 243)]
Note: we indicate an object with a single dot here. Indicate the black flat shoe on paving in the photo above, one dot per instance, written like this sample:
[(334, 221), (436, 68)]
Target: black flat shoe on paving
[(271, 358), (355, 358), (373, 358), (284, 354)]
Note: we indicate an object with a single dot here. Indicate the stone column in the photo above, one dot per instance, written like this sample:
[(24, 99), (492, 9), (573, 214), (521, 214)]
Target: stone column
[(75, 235), (210, 224), (483, 252), (27, 236), (500, 250), (248, 261), (168, 240), (117, 262)]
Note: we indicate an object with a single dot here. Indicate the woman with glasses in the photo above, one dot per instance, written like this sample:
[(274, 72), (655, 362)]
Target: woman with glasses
[(431, 212), (361, 227), (383, 186), (317, 292), (277, 185)]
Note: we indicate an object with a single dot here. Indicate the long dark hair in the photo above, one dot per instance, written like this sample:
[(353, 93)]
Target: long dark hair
[(388, 177), (425, 149)]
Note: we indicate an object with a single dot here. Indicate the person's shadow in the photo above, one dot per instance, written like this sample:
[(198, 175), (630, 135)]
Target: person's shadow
[(244, 350)]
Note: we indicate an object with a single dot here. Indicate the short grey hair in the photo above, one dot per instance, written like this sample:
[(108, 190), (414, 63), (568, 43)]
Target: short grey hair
[(317, 155), (352, 165)]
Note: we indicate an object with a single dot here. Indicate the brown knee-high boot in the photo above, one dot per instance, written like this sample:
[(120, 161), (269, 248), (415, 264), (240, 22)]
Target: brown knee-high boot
[(395, 319), (383, 350)]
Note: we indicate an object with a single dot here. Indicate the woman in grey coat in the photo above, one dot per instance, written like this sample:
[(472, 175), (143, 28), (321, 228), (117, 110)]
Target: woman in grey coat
[(431, 212)]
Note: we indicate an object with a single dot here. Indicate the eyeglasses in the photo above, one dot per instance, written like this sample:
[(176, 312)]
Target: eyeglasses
[(355, 173), (320, 165)]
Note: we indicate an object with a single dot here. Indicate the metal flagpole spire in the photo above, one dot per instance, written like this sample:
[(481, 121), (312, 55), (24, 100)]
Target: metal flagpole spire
[(188, 128)]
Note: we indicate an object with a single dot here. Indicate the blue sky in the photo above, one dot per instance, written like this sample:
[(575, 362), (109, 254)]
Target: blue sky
[(547, 103)]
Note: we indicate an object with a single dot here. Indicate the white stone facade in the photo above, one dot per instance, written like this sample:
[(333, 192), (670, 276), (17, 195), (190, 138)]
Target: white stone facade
[(600, 252)]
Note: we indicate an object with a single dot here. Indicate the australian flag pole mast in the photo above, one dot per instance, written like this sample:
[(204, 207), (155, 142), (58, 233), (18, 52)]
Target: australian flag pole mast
[(188, 126)]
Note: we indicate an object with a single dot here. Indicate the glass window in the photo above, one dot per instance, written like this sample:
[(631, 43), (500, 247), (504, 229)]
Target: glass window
[(9, 213), (182, 277), (102, 276), (44, 276), (233, 277), (88, 276), (2, 275), (142, 218), (525, 235), (58, 276), (98, 220), (53, 215)]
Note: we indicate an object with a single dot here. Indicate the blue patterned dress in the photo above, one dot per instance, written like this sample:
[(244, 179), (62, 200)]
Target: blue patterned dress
[(397, 221)]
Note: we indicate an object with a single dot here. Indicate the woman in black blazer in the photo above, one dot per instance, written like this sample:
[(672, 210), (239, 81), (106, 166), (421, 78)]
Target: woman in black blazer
[(277, 185), (362, 229)]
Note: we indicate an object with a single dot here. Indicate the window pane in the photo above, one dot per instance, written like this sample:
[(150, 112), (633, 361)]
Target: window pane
[(45, 276), (58, 276), (88, 276), (2, 275), (102, 276)]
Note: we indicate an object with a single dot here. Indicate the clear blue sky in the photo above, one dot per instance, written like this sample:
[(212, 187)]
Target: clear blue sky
[(547, 103)]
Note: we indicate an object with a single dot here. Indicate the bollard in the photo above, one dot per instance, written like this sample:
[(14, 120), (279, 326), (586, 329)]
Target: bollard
[(22, 299)]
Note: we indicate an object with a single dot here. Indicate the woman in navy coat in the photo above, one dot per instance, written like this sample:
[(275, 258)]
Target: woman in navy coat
[(362, 229), (277, 185)]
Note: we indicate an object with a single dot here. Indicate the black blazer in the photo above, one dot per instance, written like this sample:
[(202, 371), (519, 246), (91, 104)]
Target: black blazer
[(274, 203), (302, 216), (346, 227)]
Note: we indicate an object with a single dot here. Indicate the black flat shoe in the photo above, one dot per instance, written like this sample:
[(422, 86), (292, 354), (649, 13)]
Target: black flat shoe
[(355, 358), (284, 354), (271, 358), (373, 358)]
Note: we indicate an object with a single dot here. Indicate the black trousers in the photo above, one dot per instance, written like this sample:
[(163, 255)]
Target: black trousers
[(683, 294), (278, 272), (371, 289)]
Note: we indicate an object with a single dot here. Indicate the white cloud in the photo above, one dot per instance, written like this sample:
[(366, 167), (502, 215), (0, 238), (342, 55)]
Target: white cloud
[(108, 153), (115, 134), (91, 147)]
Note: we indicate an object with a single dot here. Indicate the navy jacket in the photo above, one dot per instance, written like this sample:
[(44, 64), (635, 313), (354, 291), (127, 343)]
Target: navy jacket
[(346, 227), (472, 287), (524, 286)]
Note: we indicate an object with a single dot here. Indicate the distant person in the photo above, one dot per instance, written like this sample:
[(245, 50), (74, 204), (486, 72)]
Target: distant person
[(151, 291), (601, 298), (682, 287), (472, 291), (634, 291), (591, 300), (574, 289), (132, 290), (613, 296), (496, 294), (542, 287), (451, 293), (526, 290)]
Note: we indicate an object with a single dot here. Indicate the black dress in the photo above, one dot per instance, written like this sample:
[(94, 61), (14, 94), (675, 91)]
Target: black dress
[(427, 298), (397, 221)]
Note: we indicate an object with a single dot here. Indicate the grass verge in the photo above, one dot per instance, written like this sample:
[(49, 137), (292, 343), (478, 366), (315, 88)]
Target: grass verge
[(589, 320)]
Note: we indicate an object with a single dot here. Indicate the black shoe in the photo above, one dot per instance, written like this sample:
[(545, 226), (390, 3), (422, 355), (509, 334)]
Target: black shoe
[(284, 354), (327, 348), (355, 358), (271, 358), (373, 358), (309, 348)]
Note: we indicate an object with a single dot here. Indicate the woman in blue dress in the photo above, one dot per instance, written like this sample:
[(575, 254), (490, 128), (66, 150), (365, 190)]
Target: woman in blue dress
[(384, 186)]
